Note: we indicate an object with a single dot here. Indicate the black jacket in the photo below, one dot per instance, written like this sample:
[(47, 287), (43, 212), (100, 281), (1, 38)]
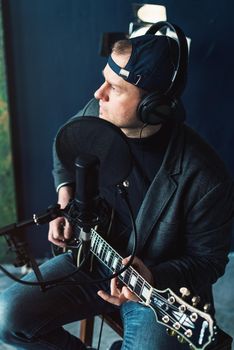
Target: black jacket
[(184, 223)]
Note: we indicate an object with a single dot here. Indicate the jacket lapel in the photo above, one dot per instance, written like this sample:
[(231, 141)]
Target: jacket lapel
[(160, 191)]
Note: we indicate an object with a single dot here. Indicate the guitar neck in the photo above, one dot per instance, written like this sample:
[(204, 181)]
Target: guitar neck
[(130, 277), (189, 323)]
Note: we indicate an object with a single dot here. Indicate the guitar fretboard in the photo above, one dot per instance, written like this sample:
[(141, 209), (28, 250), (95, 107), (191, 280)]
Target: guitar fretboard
[(186, 321), (130, 277)]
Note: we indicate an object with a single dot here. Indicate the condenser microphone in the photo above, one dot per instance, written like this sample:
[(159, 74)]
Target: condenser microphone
[(87, 193), (87, 184)]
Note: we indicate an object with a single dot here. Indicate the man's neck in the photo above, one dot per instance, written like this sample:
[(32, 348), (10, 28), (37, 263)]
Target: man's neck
[(142, 132)]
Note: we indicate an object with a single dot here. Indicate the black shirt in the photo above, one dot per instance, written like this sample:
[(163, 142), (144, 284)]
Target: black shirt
[(148, 154)]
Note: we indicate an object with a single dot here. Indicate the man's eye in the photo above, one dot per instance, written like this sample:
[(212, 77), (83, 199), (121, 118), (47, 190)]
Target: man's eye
[(115, 89)]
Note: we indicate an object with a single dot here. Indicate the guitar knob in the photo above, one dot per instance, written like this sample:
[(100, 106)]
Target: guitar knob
[(188, 333), (195, 300), (171, 300), (185, 292), (171, 332), (193, 317), (182, 308), (206, 307), (181, 339), (166, 319)]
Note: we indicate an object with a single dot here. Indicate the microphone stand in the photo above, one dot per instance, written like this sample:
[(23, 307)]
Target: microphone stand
[(82, 212), (23, 256)]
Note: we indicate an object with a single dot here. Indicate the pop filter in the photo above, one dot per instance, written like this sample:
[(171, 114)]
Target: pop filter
[(98, 137)]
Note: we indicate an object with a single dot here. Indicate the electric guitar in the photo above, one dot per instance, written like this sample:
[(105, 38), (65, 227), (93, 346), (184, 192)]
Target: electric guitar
[(180, 318)]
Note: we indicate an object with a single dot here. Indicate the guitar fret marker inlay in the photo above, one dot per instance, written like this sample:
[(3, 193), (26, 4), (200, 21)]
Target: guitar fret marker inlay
[(108, 256), (100, 248), (133, 280), (115, 262), (145, 292), (170, 308)]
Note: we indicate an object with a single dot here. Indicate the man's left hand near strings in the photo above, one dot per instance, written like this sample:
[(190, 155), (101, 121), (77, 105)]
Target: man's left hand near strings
[(119, 294)]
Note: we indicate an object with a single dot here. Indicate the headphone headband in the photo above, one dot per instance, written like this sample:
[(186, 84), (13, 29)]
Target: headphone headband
[(157, 107), (180, 75)]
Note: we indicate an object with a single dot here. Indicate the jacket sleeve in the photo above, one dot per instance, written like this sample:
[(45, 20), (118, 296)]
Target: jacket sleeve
[(207, 242), (61, 175)]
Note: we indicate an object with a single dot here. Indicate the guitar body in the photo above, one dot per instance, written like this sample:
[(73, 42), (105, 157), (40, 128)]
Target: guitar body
[(177, 315)]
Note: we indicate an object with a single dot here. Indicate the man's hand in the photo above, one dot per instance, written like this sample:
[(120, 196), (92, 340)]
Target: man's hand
[(60, 229), (120, 294)]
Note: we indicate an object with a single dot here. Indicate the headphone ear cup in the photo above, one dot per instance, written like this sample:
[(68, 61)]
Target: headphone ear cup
[(157, 109)]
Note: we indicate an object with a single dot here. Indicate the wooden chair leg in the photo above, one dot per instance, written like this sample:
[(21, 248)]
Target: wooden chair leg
[(87, 327), (86, 331)]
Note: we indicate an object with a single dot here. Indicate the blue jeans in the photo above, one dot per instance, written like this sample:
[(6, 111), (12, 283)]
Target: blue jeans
[(32, 319), (143, 332)]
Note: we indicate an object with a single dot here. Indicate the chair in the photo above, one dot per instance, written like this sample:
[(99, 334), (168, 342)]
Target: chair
[(86, 326)]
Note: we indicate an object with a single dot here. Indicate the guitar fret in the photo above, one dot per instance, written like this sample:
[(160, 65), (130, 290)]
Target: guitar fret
[(138, 286), (94, 247), (108, 255), (115, 263), (132, 280), (122, 274), (104, 252), (93, 243), (119, 265), (99, 250), (127, 276), (144, 292), (167, 312), (110, 261)]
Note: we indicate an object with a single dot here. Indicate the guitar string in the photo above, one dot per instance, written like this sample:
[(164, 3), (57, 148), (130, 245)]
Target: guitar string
[(95, 235), (97, 239), (130, 270), (162, 312)]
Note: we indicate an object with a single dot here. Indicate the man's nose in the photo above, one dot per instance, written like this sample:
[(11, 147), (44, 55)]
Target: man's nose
[(101, 93)]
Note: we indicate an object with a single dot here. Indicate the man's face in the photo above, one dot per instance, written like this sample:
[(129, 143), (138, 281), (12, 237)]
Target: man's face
[(118, 99)]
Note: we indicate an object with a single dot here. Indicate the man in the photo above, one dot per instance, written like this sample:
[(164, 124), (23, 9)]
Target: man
[(182, 200)]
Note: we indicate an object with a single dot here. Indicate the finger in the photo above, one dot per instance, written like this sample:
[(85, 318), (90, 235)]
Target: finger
[(137, 263), (129, 295), (116, 287), (67, 230), (110, 298), (126, 260), (55, 234), (59, 243), (55, 240)]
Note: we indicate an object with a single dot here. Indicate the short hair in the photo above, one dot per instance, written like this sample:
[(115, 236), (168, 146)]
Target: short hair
[(122, 47)]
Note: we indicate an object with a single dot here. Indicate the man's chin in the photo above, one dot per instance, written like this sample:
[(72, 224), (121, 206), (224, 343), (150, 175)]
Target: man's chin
[(105, 118)]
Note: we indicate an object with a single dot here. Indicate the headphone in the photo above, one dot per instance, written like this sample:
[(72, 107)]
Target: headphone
[(158, 107)]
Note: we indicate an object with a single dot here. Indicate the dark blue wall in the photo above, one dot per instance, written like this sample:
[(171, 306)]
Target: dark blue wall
[(54, 67)]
